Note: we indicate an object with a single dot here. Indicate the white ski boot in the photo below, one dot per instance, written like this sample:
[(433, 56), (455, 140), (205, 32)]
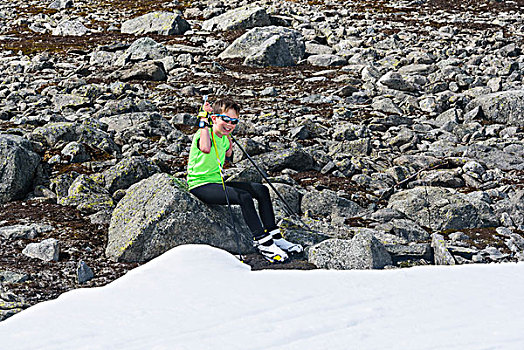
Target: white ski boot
[(267, 247), (285, 245)]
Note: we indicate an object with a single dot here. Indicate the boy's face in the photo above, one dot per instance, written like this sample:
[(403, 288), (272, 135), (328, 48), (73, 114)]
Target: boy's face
[(220, 127)]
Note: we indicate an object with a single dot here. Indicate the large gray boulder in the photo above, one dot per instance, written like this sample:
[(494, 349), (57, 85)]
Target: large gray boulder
[(47, 250), (18, 164), (54, 133), (149, 71), (442, 208), (252, 44), (72, 101), (163, 23), (442, 256), (156, 215), (272, 52), (501, 107), (512, 207), (290, 194), (293, 158), (327, 202), (142, 49), (70, 27), (404, 228), (241, 18), (24, 231), (126, 172), (142, 124), (395, 81), (364, 251), (497, 154), (87, 196), (326, 60)]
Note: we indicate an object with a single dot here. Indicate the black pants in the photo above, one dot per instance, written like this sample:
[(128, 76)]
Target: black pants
[(242, 193)]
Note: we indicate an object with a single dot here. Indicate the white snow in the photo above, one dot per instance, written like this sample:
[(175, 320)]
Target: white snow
[(198, 297)]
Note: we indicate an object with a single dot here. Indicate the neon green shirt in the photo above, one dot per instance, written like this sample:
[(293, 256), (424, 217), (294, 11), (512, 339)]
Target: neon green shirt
[(202, 168)]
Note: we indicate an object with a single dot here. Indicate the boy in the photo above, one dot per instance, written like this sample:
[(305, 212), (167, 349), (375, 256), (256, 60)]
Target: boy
[(205, 182)]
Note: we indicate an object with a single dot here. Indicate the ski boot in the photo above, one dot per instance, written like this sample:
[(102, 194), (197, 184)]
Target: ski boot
[(267, 247), (285, 245)]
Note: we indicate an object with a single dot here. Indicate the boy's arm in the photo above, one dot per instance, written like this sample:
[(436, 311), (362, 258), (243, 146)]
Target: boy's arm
[(204, 144)]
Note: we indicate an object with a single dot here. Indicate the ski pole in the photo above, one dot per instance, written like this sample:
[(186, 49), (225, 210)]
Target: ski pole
[(287, 207)]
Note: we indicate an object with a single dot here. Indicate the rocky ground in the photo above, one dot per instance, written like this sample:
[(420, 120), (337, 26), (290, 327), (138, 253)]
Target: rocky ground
[(394, 127)]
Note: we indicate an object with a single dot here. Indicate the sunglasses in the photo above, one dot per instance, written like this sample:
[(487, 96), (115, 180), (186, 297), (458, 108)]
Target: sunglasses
[(227, 119)]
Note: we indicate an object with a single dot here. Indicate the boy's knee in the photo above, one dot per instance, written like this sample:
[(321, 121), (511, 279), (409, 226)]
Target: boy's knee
[(260, 188), (245, 197)]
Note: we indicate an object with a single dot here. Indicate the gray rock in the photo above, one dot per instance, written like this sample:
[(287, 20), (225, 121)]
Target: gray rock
[(417, 68), (251, 42), (292, 158), (416, 162), (474, 167), (141, 124), (291, 196), (362, 252), (412, 251), (61, 4), (24, 231), (386, 105), (87, 196), (515, 243), (497, 154), (404, 228), (111, 108), (326, 60), (53, 133), (240, 18), (143, 49), (127, 172), (18, 165), (405, 137), (442, 209), (75, 152), (70, 27), (460, 252), (63, 101), (149, 71), (272, 52), (493, 254), (501, 107), (441, 252), (156, 215), (47, 250), (83, 273), (61, 183), (458, 236), (102, 217), (360, 147), (395, 81), (514, 206), (387, 214), (10, 304), (327, 202), (442, 178), (313, 48), (12, 277), (162, 23), (249, 174)]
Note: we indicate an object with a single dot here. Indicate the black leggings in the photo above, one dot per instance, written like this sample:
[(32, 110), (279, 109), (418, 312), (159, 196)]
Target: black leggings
[(242, 193)]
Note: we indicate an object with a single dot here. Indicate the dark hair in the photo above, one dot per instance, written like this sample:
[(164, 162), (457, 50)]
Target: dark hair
[(224, 104)]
